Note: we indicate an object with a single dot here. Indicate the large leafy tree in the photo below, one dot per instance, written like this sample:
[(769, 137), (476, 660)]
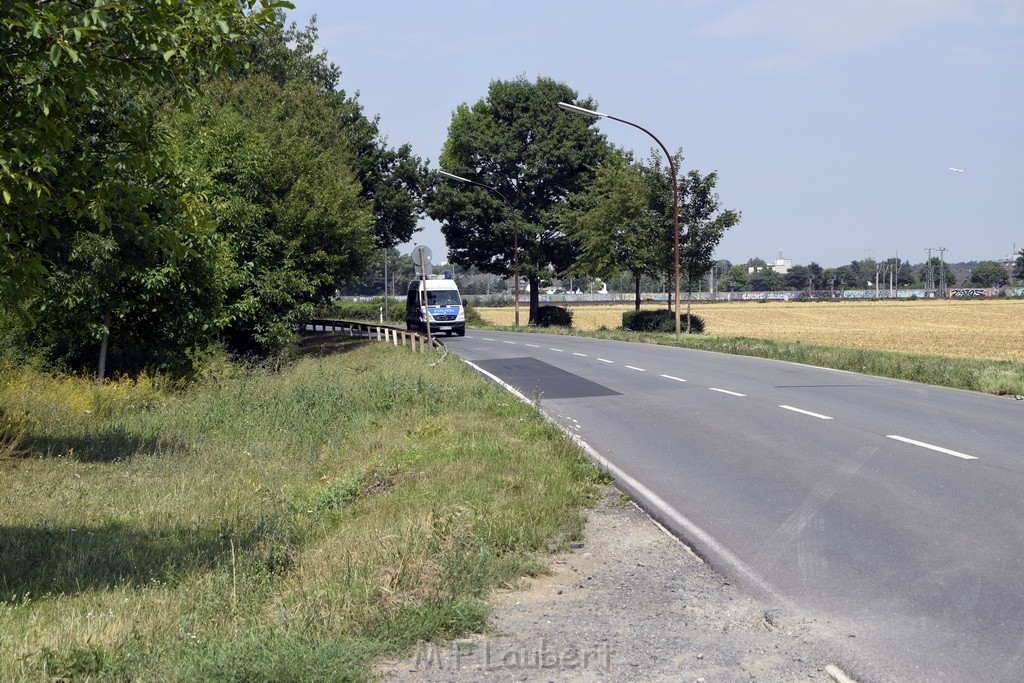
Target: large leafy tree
[(614, 225), (1018, 265), (766, 280), (518, 142), (60, 64), (276, 165), (799, 277), (393, 180), (989, 274)]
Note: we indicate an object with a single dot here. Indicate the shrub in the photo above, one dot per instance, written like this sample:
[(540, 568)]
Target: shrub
[(473, 316), (554, 316), (365, 310), (661, 320)]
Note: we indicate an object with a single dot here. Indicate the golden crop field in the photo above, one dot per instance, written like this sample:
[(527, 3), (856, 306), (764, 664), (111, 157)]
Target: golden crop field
[(991, 328)]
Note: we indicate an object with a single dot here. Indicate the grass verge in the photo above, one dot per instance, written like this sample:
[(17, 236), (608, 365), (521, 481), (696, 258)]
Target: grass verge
[(269, 526), (974, 374)]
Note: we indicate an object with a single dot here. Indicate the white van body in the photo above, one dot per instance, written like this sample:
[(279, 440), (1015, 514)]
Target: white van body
[(437, 302)]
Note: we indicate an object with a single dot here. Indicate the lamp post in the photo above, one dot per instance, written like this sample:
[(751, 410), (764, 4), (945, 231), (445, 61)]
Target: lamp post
[(675, 188), (515, 228)]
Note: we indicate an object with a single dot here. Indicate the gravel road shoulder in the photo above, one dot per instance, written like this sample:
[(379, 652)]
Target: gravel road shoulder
[(631, 603)]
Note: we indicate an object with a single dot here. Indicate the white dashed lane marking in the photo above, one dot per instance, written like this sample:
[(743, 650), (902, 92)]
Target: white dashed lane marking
[(806, 412), (674, 379), (633, 367), (605, 360), (726, 391), (940, 449), (579, 354)]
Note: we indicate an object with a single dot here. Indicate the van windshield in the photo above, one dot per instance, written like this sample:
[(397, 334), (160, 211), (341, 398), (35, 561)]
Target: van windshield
[(443, 297)]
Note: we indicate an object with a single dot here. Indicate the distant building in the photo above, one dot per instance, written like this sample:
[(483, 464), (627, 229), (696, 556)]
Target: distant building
[(781, 266)]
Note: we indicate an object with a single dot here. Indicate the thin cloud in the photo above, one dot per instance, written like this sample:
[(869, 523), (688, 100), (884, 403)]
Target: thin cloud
[(811, 29)]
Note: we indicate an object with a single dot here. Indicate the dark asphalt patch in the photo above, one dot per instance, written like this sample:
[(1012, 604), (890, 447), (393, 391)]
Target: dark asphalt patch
[(533, 377)]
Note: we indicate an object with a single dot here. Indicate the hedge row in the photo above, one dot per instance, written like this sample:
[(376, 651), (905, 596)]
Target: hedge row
[(661, 320)]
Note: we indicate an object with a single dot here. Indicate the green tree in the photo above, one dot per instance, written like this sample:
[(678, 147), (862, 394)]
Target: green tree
[(846, 277), (614, 226), (816, 272), (702, 220), (517, 141), (798, 278), (1018, 266), (735, 280), (766, 280), (394, 181), (275, 164), (989, 274), (115, 299), (60, 63)]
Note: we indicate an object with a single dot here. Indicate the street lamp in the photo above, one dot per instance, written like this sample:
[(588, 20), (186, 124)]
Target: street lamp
[(675, 189), (515, 228)]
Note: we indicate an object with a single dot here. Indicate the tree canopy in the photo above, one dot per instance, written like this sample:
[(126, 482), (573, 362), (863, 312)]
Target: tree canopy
[(133, 223), (63, 151), (614, 225), (274, 162), (989, 274), (518, 142)]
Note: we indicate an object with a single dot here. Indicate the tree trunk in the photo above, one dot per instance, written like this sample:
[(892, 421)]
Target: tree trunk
[(534, 298), (636, 280), (102, 369), (688, 301)]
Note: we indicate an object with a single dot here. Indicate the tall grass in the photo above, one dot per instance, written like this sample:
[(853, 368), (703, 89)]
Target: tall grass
[(269, 526)]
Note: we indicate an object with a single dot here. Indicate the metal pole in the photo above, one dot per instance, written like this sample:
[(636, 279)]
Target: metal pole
[(515, 249), (385, 284)]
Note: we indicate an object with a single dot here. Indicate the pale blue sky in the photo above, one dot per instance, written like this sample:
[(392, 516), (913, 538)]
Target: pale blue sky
[(831, 123)]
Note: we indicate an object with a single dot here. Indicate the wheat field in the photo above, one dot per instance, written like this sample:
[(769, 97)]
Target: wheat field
[(990, 328)]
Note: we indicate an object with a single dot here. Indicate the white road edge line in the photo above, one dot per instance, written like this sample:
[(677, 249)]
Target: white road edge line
[(633, 367), (605, 360), (677, 379), (694, 531), (940, 449), (726, 391), (807, 412)]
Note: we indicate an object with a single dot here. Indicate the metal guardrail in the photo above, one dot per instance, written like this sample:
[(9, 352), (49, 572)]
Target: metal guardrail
[(389, 334)]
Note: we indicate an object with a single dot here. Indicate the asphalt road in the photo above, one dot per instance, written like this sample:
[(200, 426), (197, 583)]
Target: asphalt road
[(891, 512)]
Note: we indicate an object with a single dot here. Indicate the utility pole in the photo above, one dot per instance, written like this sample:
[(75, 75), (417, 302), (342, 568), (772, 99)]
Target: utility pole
[(897, 291), (929, 284), (942, 270)]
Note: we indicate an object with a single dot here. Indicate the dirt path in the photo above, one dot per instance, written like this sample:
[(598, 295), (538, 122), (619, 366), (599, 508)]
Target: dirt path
[(630, 604)]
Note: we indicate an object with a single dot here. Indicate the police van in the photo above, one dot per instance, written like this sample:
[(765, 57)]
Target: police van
[(435, 301)]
